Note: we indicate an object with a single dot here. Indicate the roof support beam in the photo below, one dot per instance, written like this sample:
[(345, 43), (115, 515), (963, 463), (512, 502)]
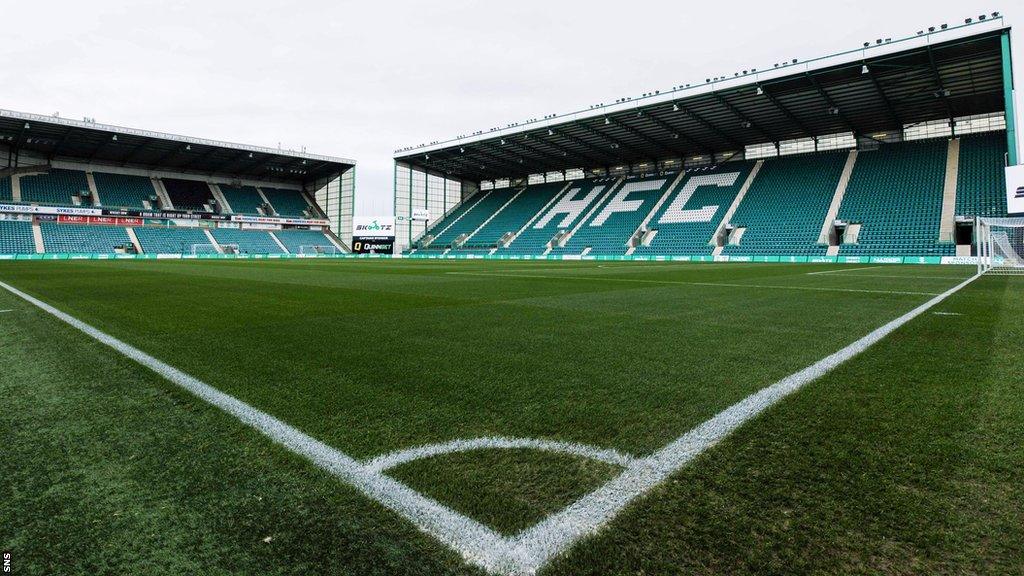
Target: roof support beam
[(614, 158), (644, 137), (535, 142), (828, 100), (531, 155), (885, 100), (941, 94), (785, 112), (743, 118), (703, 122), (701, 147), (615, 143)]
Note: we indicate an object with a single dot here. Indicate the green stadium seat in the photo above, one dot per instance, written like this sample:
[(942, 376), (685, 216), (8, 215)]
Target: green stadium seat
[(82, 238), (123, 191)]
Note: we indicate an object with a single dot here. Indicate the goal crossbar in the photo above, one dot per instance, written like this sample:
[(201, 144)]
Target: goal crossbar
[(999, 244)]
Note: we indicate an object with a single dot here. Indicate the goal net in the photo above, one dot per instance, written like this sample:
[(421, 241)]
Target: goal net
[(200, 249), (1000, 245), (314, 249)]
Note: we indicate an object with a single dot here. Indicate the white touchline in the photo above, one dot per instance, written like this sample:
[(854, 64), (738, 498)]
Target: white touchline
[(3, 311), (841, 270), (531, 549), (710, 284)]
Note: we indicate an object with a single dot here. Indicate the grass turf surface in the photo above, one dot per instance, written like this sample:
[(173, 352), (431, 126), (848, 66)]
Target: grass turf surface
[(906, 459)]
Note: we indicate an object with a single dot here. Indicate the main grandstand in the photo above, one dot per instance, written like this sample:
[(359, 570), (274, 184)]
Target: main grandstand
[(885, 153), (78, 189)]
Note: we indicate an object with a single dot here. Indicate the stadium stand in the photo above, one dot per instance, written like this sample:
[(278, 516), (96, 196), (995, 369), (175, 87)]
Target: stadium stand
[(786, 204), (188, 195), (82, 238), (567, 211), (607, 231), (512, 218), (169, 240), (123, 191), (16, 237), (474, 216), (287, 203), (242, 199), (447, 220), (5, 189), (895, 193), (294, 240), (686, 222), (248, 241), (981, 179), (55, 187)]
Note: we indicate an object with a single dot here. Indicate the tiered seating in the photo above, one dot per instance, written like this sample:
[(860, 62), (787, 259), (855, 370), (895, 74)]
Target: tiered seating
[(56, 187), (981, 178), (5, 189), (786, 205), (82, 239), (169, 240), (248, 241), (188, 195), (294, 240), (452, 215), (16, 237), (896, 193), (584, 193), (476, 215), (242, 199), (686, 226), (514, 216), (287, 203), (123, 191), (607, 233)]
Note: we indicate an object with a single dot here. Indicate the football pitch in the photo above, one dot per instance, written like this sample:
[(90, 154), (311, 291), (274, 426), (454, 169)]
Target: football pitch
[(436, 417)]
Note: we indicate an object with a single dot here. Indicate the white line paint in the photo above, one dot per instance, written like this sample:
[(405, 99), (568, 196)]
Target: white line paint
[(908, 276), (947, 313), (390, 460), (530, 550), (5, 311), (841, 270), (685, 283), (535, 546)]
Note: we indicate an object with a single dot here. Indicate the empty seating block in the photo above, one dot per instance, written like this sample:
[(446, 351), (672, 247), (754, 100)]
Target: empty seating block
[(785, 207), (55, 187), (474, 216), (287, 203), (687, 220), (514, 216), (169, 240), (242, 199), (612, 225), (5, 189), (981, 178), (123, 191), (294, 240), (16, 237), (896, 194), (248, 241), (562, 215), (456, 212), (188, 195), (82, 239)]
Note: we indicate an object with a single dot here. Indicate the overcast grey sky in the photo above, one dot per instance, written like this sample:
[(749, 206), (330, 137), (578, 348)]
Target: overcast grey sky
[(360, 79)]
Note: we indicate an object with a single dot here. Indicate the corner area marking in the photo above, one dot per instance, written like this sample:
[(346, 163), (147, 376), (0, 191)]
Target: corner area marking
[(528, 551)]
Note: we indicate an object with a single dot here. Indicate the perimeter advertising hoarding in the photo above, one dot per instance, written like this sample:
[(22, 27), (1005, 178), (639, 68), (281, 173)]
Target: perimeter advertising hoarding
[(1015, 189), (373, 235)]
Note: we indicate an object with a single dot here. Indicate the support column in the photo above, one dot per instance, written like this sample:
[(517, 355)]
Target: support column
[(1011, 116)]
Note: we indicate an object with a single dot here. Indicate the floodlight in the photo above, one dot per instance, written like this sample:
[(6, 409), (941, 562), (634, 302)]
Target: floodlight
[(760, 91), (551, 132), (675, 107), (864, 69), (982, 17), (607, 121)]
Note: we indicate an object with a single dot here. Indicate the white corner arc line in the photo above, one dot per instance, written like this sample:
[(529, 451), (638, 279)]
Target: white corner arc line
[(840, 270), (531, 549), (397, 458)]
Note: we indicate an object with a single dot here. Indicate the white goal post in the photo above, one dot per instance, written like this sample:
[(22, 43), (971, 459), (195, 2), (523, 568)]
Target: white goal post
[(198, 249), (313, 249), (1000, 245)]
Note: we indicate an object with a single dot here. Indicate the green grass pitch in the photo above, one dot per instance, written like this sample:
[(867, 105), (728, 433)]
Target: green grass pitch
[(907, 459)]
